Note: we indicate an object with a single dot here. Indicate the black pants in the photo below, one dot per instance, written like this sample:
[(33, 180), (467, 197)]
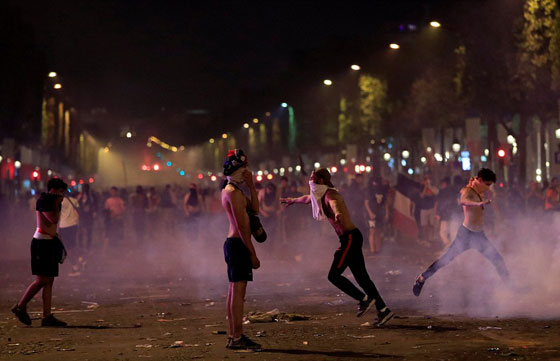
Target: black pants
[(350, 255), (465, 240)]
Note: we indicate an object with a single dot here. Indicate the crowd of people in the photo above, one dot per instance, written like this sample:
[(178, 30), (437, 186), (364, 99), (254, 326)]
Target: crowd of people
[(135, 215)]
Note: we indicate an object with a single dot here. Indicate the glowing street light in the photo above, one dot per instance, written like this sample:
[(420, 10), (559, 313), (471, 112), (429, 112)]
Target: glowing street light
[(52, 74), (224, 136), (355, 67), (405, 154), (128, 134), (456, 146), (211, 141), (256, 120), (327, 82), (17, 164), (387, 157), (246, 125), (284, 105), (394, 46), (58, 86), (435, 24)]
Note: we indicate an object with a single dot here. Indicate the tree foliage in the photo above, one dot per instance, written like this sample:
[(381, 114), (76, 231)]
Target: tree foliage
[(373, 104)]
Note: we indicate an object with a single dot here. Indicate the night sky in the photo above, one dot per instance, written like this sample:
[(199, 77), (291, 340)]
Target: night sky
[(236, 58)]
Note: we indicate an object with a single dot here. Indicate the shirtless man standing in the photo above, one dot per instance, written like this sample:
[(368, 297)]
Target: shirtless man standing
[(240, 255), (46, 253), (327, 203), (471, 233)]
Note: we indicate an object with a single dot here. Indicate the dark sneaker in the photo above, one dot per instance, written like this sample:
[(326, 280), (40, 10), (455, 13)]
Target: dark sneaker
[(383, 316), (244, 343), (229, 341), (51, 321), (418, 284), (364, 306), (21, 315)]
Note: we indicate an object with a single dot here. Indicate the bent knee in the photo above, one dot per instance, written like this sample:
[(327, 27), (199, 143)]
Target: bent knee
[(333, 276)]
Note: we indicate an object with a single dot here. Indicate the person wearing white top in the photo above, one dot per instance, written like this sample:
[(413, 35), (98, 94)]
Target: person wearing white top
[(68, 226)]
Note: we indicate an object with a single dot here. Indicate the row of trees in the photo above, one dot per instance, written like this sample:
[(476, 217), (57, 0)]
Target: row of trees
[(496, 60)]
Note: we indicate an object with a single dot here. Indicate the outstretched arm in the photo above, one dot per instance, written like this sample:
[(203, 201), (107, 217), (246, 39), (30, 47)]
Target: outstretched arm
[(306, 199)]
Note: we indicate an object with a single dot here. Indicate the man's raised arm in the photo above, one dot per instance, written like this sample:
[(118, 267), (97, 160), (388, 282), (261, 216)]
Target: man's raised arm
[(306, 199), (468, 199)]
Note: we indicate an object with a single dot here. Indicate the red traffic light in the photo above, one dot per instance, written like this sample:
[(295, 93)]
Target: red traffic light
[(501, 153), (156, 167), (35, 174)]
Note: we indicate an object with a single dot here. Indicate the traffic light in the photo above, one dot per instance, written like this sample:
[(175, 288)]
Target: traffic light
[(35, 175), (501, 153)]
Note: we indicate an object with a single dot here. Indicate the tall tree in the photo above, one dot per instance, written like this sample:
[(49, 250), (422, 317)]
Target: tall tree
[(538, 67), (373, 104)]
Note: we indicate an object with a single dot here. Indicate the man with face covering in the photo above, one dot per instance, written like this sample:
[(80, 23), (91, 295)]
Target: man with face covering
[(240, 255), (471, 233), (327, 203)]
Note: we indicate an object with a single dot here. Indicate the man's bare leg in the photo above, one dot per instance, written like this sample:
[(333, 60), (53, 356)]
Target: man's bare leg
[(228, 309), (31, 291), (237, 302), (47, 296)]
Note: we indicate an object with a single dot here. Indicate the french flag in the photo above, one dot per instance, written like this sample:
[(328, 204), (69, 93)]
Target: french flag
[(406, 195)]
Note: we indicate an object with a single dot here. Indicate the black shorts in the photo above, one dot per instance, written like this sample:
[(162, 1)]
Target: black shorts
[(238, 259), (44, 257)]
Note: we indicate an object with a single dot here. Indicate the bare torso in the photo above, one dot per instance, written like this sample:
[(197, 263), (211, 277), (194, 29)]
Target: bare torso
[(47, 222), (474, 217), (345, 223), (227, 205)]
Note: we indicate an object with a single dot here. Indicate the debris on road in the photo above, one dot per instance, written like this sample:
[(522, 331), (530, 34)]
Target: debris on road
[(91, 305), (147, 345), (219, 332), (364, 336), (275, 316), (393, 272), (171, 320), (489, 328), (181, 343)]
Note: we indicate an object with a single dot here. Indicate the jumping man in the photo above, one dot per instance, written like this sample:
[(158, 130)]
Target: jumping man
[(471, 233), (327, 203)]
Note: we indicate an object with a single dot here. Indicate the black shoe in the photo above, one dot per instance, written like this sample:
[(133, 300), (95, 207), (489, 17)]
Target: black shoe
[(244, 343), (21, 315), (418, 284), (384, 316), (229, 341), (51, 321), (364, 306)]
